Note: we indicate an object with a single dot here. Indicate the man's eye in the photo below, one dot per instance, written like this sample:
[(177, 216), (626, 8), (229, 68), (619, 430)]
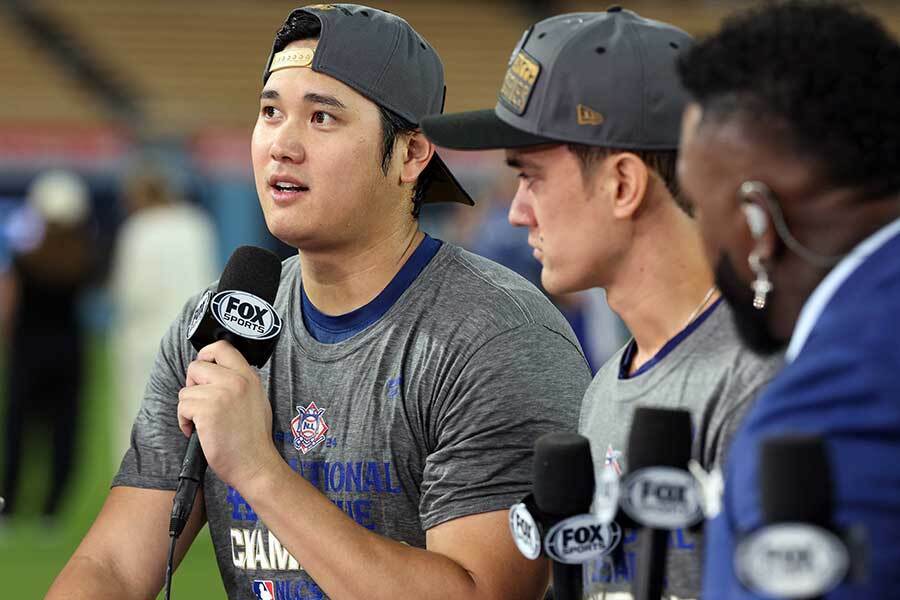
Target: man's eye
[(269, 111), (322, 118)]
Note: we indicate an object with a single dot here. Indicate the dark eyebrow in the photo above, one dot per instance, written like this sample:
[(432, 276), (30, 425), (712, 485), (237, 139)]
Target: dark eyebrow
[(315, 98), (516, 162), (269, 95)]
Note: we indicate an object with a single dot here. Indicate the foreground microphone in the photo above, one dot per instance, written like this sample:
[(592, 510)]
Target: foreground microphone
[(563, 490), (658, 493), (240, 312), (796, 554)]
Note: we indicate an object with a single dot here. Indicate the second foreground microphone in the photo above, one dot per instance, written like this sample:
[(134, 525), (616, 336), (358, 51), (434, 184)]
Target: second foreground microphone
[(563, 488), (240, 312)]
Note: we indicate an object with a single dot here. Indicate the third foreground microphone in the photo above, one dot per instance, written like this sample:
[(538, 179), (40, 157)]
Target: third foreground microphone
[(797, 553), (240, 312)]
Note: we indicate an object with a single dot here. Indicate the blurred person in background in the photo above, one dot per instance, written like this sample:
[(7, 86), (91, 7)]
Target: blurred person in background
[(45, 346), (589, 114), (791, 153), (165, 251)]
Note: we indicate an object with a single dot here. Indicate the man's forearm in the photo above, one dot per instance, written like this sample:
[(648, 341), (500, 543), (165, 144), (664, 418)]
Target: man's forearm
[(355, 562), (84, 577)]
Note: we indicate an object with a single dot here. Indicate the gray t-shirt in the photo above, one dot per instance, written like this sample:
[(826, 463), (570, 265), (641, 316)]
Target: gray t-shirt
[(427, 415), (704, 370)]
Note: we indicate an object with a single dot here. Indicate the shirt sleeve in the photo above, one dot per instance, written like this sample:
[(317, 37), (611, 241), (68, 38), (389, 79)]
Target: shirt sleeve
[(153, 459), (518, 386)]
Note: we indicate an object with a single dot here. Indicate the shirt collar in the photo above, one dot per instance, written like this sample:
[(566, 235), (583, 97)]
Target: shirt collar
[(828, 287)]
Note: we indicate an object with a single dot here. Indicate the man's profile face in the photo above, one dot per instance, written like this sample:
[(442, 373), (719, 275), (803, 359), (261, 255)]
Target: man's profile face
[(564, 216), (316, 152), (711, 168)]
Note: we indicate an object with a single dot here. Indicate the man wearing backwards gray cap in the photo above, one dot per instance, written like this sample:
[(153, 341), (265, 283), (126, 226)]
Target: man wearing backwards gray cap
[(589, 113), (376, 454)]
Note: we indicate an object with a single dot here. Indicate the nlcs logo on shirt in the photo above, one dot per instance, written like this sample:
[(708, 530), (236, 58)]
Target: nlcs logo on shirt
[(308, 427), (264, 589)]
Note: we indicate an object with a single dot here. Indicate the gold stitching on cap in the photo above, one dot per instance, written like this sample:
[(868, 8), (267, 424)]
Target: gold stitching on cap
[(295, 57), (588, 116)]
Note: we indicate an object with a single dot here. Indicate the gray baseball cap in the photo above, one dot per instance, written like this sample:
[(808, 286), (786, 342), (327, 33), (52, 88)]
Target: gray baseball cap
[(383, 58), (603, 79)]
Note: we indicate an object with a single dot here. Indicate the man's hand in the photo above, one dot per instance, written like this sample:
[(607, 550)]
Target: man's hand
[(224, 401)]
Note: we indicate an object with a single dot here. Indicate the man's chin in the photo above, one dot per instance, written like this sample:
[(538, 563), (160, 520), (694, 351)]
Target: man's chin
[(556, 285), (755, 339)]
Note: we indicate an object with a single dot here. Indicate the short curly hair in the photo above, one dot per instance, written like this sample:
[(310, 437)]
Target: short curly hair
[(829, 71)]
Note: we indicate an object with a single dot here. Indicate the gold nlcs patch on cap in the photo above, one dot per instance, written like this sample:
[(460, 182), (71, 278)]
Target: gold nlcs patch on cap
[(519, 82), (295, 57)]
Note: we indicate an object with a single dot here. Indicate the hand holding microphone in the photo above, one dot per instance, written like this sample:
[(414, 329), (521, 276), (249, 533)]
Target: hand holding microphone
[(241, 313)]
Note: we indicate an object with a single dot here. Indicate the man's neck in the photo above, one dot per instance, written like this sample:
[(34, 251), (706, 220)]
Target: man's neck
[(663, 285), (340, 282)]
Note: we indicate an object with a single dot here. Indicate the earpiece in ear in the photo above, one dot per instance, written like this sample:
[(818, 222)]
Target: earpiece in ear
[(757, 220)]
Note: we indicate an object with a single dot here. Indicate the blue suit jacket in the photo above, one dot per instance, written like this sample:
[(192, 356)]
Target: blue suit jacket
[(845, 387)]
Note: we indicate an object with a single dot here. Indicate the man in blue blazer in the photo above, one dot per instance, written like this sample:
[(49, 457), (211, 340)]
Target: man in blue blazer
[(791, 154)]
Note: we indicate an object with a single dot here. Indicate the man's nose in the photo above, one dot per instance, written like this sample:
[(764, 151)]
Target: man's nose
[(521, 213)]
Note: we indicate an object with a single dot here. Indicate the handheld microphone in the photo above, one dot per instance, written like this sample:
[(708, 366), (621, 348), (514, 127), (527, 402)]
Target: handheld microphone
[(240, 312), (563, 490), (658, 492), (796, 554)]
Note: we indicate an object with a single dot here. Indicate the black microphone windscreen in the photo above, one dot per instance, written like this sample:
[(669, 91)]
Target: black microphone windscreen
[(253, 270), (659, 437), (795, 480), (563, 474)]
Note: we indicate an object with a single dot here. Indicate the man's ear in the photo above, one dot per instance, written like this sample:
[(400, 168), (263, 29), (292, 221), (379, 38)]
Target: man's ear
[(628, 179), (417, 151)]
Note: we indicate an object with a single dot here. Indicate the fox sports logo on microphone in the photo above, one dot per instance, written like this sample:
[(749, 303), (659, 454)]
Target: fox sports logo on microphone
[(581, 538), (525, 531), (246, 315), (791, 560), (197, 315), (662, 497)]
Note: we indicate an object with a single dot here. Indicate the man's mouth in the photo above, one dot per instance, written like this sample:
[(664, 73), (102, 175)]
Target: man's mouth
[(284, 186)]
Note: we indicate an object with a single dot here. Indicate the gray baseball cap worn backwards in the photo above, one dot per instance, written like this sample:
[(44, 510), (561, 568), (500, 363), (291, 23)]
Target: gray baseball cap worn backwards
[(383, 58), (603, 79)]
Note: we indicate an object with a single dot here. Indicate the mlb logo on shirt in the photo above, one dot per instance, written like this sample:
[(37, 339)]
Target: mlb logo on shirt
[(264, 589), (308, 427)]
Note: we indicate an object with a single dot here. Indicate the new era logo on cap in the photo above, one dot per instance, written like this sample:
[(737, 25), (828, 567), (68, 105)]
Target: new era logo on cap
[(588, 116)]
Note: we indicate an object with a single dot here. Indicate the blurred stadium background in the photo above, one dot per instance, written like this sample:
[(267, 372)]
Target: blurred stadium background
[(95, 86)]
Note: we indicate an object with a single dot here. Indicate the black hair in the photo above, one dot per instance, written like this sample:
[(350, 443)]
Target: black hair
[(662, 162), (827, 71), (306, 26)]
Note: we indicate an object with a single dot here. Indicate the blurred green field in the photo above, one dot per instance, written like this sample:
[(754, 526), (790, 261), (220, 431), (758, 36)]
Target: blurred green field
[(33, 552)]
